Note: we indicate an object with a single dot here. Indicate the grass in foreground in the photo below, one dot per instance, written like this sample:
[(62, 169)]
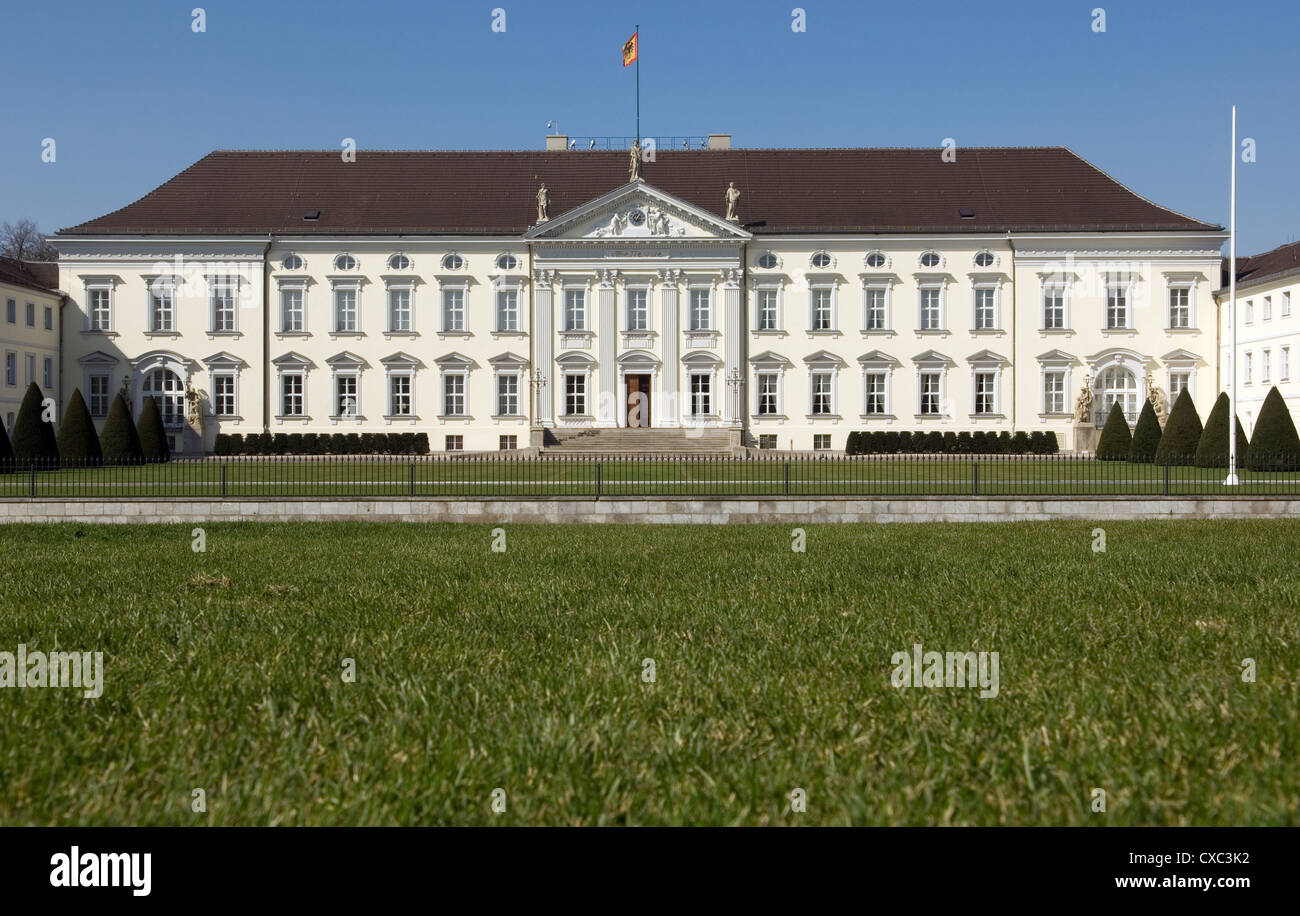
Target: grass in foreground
[(523, 670)]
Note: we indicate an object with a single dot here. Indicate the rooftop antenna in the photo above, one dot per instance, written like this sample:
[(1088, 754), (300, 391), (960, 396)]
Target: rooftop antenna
[(553, 125)]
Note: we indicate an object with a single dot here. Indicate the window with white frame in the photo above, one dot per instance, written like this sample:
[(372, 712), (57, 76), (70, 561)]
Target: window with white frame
[(1117, 310), (293, 309), (1180, 307), (98, 383), (453, 310), (1054, 307), (507, 262), (508, 394), (99, 308), (11, 311), (822, 317), (1118, 386), (876, 317), (1178, 383), (162, 308), (453, 394), (1054, 391), (822, 387), (1284, 364), (986, 392), (575, 394), (347, 319), (507, 443), (347, 393), (223, 306), (767, 393), (1265, 359), (701, 310), (1267, 310), (223, 394), (1247, 367), (575, 310), (821, 442), (47, 374), (931, 391), (31, 368), (507, 309), (400, 393), (345, 262), (766, 304), (986, 312), (11, 369), (293, 387), (638, 310), (1286, 303), (877, 393), (399, 310), (701, 387), (931, 318), (399, 262), (31, 314), (49, 318), (1250, 312)]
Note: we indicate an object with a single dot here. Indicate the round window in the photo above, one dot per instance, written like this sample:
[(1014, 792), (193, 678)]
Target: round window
[(453, 262), (929, 259), (345, 262), (984, 259), (399, 262), (507, 262), (292, 262), (875, 259), (767, 260), (821, 259)]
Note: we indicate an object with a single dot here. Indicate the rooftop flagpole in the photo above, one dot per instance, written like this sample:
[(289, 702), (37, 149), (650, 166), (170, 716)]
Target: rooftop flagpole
[(1231, 480), (637, 33)]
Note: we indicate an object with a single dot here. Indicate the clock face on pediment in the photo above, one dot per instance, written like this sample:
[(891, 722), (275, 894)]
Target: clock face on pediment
[(640, 220), (637, 212)]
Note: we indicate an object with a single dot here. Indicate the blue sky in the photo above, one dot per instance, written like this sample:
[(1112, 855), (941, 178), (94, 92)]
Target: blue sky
[(131, 95)]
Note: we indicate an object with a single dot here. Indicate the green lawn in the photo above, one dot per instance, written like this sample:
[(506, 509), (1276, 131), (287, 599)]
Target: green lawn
[(479, 476), (523, 671)]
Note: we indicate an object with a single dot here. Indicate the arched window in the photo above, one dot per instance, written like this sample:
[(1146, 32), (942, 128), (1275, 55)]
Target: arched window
[(165, 387), (1117, 386)]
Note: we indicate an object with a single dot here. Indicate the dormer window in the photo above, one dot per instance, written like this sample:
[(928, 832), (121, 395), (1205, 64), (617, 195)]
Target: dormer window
[(931, 259), (292, 262), (453, 262), (876, 260), (399, 262), (821, 260), (345, 262)]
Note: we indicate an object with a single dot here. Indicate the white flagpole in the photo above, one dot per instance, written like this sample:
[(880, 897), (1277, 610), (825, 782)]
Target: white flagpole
[(1231, 480)]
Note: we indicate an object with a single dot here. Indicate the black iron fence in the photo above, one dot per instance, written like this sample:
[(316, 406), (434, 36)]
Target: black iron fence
[(496, 475)]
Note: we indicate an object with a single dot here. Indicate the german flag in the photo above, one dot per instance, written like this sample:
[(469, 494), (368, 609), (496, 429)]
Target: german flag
[(629, 50)]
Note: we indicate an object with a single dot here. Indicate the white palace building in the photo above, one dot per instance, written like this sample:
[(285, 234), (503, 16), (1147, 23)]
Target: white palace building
[(775, 298)]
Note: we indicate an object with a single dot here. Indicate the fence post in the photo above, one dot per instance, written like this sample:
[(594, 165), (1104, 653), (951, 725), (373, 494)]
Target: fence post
[(598, 480), (1166, 479), (33, 488), (787, 478), (410, 478), (975, 477), (223, 480)]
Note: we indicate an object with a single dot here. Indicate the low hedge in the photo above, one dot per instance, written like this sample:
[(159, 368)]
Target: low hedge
[(322, 444), (978, 442)]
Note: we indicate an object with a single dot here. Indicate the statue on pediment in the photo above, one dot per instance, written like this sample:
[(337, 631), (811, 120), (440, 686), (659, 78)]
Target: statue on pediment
[(733, 198), (543, 201), (656, 221), (634, 162), (617, 223)]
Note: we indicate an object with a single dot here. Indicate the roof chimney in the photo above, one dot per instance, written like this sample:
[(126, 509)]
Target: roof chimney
[(558, 142), (719, 141)]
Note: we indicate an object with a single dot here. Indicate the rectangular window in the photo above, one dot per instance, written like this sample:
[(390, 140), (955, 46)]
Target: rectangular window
[(821, 310), (31, 314), (31, 368), (768, 398), (291, 394), (223, 308), (766, 310), (453, 310), (293, 313), (767, 440), (508, 395), (876, 309), (1250, 312), (1286, 304), (346, 402), (345, 311), (399, 395), (101, 309), (1116, 307), (875, 403), (453, 394), (701, 313), (930, 394), (453, 443), (575, 395), (99, 396), (1178, 382), (1246, 367), (399, 311), (1265, 358), (1284, 364), (507, 310), (1054, 392), (1180, 307), (11, 370), (701, 390), (11, 311), (48, 374), (162, 313), (49, 318), (1268, 308), (985, 392), (638, 314), (985, 317), (223, 394), (930, 309), (507, 443), (821, 394), (821, 442), (1053, 308), (575, 310)]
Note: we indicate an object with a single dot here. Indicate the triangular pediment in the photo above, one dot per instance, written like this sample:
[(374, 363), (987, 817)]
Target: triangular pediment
[(639, 212)]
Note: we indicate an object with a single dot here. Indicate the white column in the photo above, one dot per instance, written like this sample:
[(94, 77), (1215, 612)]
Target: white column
[(607, 334), (544, 347), (732, 336), (671, 410)]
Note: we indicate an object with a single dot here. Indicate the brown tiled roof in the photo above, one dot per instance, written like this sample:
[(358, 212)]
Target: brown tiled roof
[(42, 275), (1028, 189), (1270, 265)]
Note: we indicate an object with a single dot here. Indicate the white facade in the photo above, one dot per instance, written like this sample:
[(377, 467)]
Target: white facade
[(29, 345), (1268, 344)]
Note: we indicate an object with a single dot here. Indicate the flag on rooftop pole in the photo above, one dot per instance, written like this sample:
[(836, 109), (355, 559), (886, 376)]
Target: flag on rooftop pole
[(631, 47), (629, 50)]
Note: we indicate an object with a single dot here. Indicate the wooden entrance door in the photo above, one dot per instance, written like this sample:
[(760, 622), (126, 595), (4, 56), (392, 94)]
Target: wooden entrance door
[(638, 401)]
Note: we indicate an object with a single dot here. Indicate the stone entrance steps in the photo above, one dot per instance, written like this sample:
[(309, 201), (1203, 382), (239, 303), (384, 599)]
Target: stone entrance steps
[(623, 442)]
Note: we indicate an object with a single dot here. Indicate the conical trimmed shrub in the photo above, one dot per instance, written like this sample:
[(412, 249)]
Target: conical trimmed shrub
[(78, 441), (1275, 446), (33, 440), (153, 438), (6, 452), (1182, 433), (1212, 450), (1146, 436), (118, 441), (1116, 441)]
